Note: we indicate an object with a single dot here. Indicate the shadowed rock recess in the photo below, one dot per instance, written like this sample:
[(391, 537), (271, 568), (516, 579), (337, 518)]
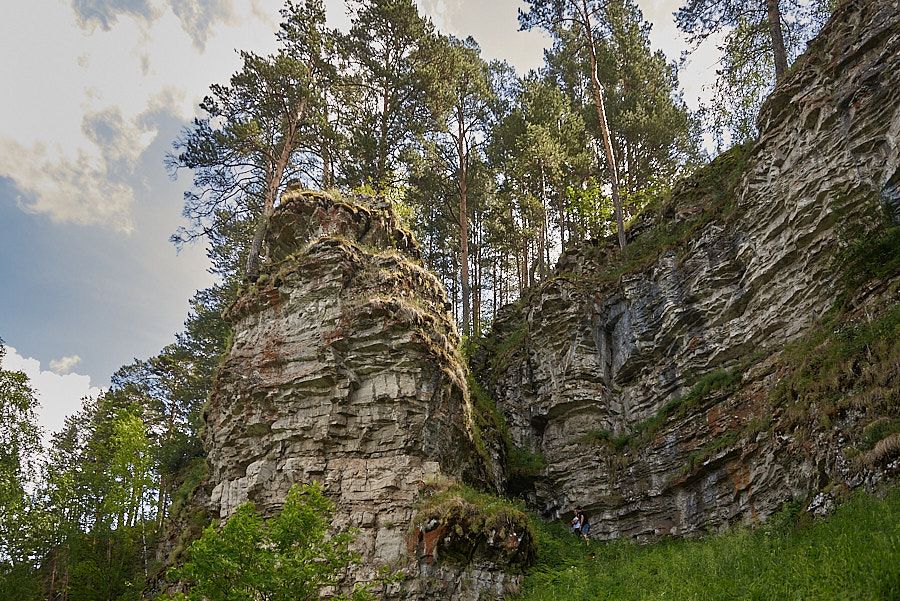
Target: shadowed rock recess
[(655, 393), (344, 369)]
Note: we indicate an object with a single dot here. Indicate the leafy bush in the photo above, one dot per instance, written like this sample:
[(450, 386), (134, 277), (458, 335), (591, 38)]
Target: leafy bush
[(290, 557)]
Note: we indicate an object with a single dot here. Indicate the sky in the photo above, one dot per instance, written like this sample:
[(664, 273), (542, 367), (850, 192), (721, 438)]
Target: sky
[(94, 93)]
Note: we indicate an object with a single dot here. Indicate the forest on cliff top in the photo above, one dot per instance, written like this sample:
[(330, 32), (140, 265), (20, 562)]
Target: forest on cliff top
[(495, 172)]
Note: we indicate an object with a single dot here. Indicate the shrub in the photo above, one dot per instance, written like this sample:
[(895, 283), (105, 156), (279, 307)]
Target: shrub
[(290, 557)]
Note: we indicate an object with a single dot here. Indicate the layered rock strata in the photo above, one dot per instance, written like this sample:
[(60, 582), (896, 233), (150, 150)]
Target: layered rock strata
[(581, 367), (343, 369)]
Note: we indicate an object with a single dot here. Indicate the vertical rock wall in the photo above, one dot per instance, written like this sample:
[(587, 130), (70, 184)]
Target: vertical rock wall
[(583, 361), (343, 369)]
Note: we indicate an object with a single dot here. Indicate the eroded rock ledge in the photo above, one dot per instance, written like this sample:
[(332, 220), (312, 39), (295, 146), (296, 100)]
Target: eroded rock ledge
[(343, 369)]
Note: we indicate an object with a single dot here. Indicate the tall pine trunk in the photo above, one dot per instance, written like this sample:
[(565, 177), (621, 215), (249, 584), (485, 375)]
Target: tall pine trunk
[(274, 173), (604, 126), (774, 17), (463, 227)]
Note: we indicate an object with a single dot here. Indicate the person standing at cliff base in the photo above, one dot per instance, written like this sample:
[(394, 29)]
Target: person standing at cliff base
[(583, 525)]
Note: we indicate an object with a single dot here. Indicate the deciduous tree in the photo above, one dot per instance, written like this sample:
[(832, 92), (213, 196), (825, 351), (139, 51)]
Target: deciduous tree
[(762, 38)]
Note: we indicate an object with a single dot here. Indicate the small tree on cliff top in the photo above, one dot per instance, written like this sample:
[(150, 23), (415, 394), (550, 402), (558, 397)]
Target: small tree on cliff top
[(761, 39), (290, 557)]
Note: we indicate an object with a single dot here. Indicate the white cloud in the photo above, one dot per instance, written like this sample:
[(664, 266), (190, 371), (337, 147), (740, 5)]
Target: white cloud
[(79, 96), (83, 190), (105, 13), (438, 11), (65, 365), (59, 395), (197, 17)]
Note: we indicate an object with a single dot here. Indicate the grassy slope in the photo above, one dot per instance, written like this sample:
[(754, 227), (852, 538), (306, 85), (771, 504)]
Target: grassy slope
[(852, 555)]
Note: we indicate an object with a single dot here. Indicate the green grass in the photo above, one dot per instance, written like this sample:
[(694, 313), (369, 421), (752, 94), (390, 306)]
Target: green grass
[(855, 365), (853, 555), (471, 518)]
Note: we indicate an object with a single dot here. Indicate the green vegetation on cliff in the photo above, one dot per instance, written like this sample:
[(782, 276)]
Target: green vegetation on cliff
[(454, 520), (290, 556)]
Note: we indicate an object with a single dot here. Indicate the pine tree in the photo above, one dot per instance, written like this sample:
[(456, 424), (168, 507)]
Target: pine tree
[(763, 38), (581, 15), (266, 127)]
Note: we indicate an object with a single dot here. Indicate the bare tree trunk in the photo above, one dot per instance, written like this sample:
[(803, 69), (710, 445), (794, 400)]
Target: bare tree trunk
[(520, 268), (463, 229), (545, 226), (774, 15), (562, 221), (604, 127), (65, 587), (476, 288), (53, 570)]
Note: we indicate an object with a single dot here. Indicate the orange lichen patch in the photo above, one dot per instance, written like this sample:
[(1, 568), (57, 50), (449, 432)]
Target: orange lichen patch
[(739, 474), (425, 543)]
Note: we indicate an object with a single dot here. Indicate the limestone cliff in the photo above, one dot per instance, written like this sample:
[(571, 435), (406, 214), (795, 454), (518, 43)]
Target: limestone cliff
[(666, 388), (343, 369), (654, 383)]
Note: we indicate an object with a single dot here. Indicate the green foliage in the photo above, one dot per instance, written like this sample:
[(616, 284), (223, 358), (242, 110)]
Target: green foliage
[(521, 464), (387, 49), (869, 244), (590, 210), (19, 522), (524, 464), (19, 444), (396, 195), (676, 216), (749, 52), (878, 431), (290, 557), (258, 132), (719, 380), (503, 353), (876, 256), (488, 423), (716, 381), (21, 582), (606, 437), (851, 555)]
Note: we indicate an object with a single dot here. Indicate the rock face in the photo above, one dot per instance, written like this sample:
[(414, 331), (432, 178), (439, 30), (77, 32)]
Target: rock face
[(590, 361), (343, 369)]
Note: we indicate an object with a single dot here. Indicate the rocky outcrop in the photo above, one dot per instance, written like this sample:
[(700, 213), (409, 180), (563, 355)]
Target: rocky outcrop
[(648, 390), (343, 369)]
